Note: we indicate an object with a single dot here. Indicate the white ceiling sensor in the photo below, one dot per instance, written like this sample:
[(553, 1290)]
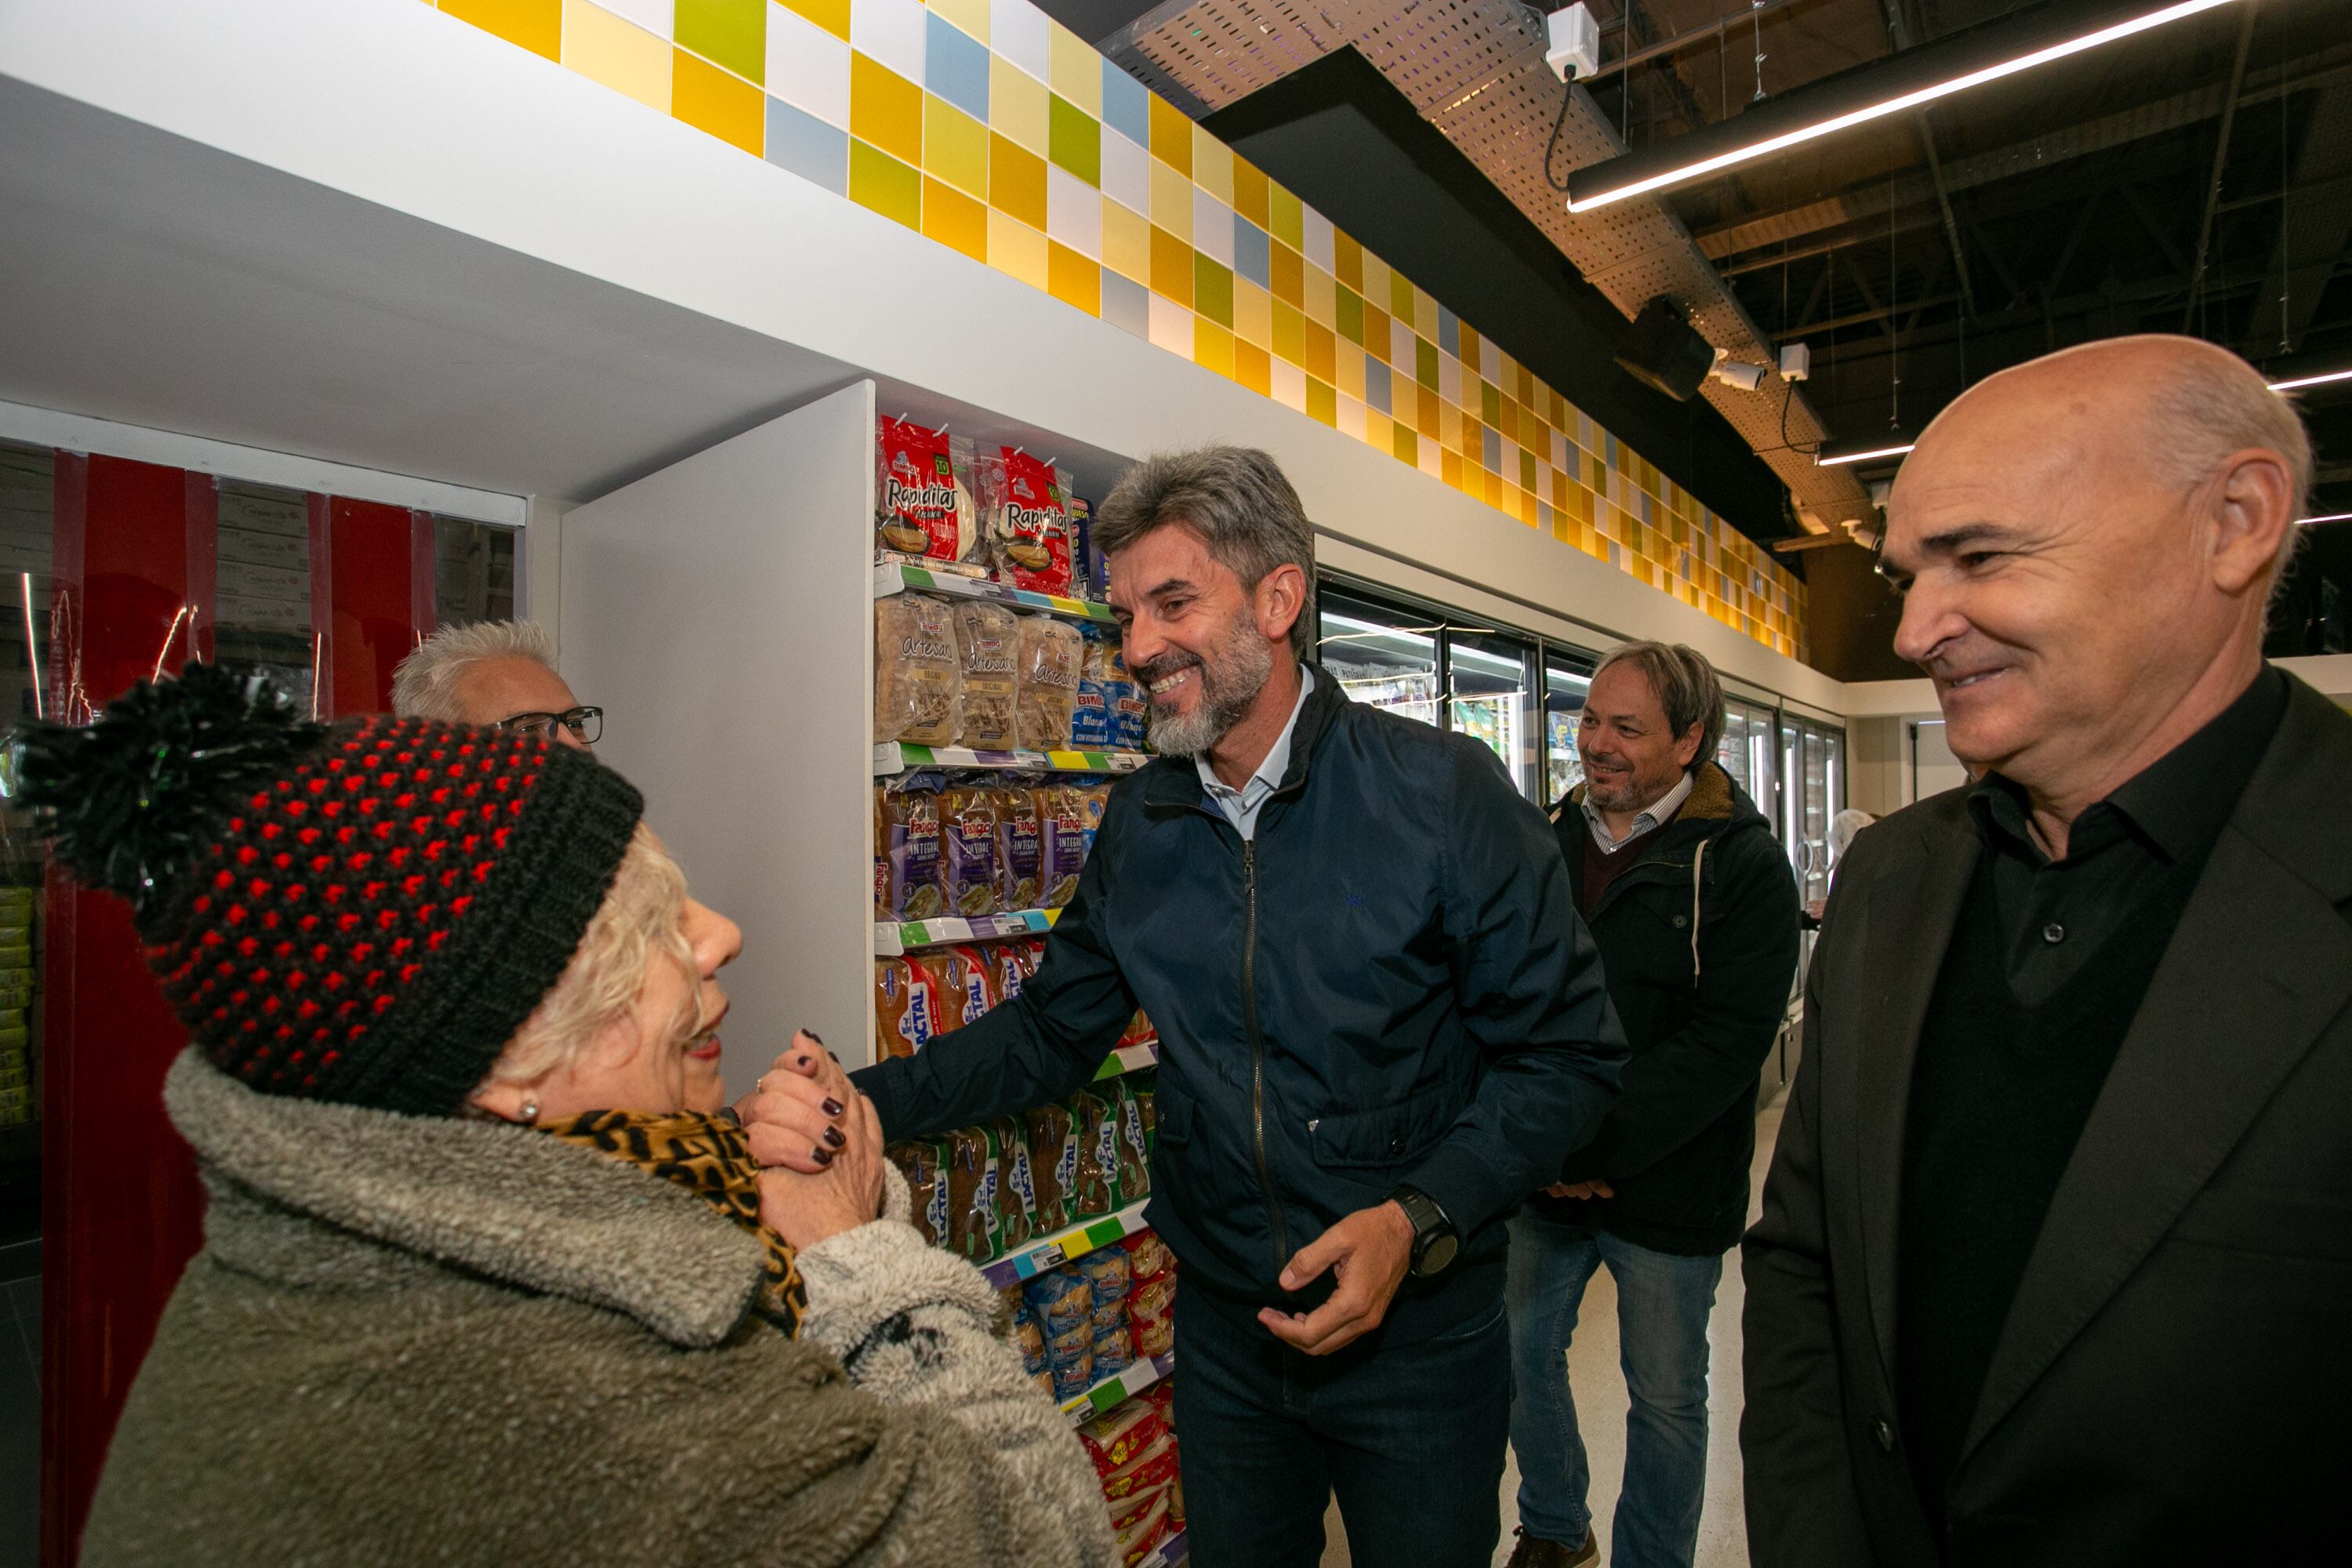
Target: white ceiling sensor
[(1572, 47)]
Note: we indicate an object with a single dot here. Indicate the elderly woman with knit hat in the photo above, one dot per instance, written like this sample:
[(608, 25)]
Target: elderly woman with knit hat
[(476, 1286)]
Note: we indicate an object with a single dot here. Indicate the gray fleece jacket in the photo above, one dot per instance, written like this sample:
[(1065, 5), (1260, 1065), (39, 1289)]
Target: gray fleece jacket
[(422, 1341)]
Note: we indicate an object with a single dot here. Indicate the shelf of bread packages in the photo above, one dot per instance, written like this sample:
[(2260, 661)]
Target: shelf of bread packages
[(897, 577), (893, 938), (894, 757), (1065, 1247)]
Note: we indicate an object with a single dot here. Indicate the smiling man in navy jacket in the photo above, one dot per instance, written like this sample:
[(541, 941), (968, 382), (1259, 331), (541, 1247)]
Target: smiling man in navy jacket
[(1381, 1023)]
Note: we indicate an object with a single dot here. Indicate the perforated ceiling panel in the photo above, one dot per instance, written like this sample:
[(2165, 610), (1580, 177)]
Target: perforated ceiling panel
[(1475, 68)]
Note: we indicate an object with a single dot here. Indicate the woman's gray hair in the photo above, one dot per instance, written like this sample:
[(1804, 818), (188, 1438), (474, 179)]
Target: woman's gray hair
[(1240, 503), (425, 685), (1685, 685)]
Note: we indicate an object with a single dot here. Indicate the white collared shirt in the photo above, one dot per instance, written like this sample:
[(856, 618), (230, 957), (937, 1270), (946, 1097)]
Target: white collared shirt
[(1241, 806), (1659, 810)]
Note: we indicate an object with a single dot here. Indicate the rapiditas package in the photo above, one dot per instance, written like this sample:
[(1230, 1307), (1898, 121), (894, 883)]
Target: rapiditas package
[(925, 513), (1028, 523), (918, 686), (988, 641), (1046, 682)]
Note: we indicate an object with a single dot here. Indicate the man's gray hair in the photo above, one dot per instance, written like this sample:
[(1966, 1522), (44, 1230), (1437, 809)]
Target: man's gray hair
[(426, 684), (1237, 500), (1685, 685), (2216, 406)]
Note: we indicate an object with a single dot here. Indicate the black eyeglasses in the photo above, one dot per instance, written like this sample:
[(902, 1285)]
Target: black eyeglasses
[(586, 724)]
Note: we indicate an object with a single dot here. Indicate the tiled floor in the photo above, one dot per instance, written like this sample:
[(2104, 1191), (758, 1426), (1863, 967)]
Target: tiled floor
[(20, 1400), (1600, 1390)]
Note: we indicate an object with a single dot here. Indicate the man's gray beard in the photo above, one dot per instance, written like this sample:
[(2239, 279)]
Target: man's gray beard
[(1230, 682)]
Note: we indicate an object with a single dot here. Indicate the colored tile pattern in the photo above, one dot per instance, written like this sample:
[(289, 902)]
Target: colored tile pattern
[(998, 133)]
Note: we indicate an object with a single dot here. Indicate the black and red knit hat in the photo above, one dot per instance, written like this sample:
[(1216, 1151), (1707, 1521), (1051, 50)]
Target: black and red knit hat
[(364, 913)]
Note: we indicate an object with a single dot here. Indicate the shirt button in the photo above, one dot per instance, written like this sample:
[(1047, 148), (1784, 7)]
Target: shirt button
[(1885, 1435), (2053, 933)]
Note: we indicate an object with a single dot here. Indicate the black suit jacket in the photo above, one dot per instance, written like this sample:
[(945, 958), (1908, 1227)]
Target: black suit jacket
[(2173, 1381)]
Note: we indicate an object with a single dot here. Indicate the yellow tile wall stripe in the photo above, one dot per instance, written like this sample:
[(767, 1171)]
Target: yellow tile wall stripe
[(998, 133)]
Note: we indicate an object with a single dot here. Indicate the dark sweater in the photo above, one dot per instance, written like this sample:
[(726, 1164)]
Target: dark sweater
[(2046, 970), (1700, 1007), (1603, 867)]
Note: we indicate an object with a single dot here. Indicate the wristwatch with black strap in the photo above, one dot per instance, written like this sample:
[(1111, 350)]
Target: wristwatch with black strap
[(1435, 1242)]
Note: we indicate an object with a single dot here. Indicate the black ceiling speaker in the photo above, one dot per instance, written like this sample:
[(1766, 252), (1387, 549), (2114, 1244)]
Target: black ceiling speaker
[(1661, 350)]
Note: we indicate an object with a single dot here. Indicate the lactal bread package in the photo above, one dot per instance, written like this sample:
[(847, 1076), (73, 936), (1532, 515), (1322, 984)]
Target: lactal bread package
[(917, 679), (908, 1005), (1028, 523), (1046, 677), (925, 510)]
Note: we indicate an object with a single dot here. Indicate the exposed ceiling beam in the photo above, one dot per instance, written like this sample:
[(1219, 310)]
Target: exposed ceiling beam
[(1875, 199), (2220, 157), (2313, 233), (1944, 204)]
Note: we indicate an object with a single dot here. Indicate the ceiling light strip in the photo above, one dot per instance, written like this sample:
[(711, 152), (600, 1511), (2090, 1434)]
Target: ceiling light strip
[(1898, 105), (1827, 461), (2303, 381)]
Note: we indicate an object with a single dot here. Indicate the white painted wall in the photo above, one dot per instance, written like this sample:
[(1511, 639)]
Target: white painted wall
[(721, 611), (399, 105)]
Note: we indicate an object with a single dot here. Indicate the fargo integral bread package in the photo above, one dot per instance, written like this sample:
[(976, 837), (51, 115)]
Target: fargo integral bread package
[(907, 849), (1020, 848), (917, 684), (968, 849), (1066, 834), (925, 510)]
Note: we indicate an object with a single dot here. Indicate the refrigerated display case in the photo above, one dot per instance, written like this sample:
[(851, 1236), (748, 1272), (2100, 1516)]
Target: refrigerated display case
[(1490, 696), (1747, 749), (1813, 763), (1383, 656), (1568, 679)]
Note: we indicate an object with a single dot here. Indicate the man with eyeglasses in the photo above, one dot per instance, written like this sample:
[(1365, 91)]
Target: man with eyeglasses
[(498, 673)]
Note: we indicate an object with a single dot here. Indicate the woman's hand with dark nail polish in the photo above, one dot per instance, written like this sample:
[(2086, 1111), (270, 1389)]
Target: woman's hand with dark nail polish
[(821, 1154), (833, 1136), (832, 1106)]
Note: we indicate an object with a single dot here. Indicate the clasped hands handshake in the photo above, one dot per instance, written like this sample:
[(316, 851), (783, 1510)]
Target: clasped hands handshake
[(819, 1144)]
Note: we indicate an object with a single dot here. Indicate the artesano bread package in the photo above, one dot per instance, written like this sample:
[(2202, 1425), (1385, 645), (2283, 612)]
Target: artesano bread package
[(924, 507), (917, 682), (988, 641), (1046, 682)]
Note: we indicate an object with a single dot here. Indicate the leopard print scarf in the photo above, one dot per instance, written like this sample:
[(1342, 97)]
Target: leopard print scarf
[(712, 1158)]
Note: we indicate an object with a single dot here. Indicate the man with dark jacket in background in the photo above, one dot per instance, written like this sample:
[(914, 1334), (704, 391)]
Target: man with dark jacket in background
[(1380, 1022), (1689, 897)]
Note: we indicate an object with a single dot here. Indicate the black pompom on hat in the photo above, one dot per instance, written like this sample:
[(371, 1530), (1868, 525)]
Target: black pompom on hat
[(363, 912)]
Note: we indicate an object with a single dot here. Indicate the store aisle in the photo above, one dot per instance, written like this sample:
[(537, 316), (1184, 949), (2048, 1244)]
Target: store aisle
[(1600, 1400)]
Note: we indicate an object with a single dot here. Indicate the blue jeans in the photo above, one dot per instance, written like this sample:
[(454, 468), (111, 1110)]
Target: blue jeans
[(1410, 1437), (1662, 1302)]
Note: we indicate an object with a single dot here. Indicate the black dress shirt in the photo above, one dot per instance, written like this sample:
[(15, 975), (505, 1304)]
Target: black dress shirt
[(2048, 965), (2122, 852)]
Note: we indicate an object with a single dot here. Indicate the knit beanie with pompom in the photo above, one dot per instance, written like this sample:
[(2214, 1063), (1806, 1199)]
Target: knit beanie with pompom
[(363, 912)]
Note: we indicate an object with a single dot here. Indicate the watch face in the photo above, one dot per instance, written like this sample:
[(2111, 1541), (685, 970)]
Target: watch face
[(1437, 1254)]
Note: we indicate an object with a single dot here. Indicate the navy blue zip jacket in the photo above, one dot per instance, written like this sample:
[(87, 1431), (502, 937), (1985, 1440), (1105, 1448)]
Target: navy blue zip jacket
[(1389, 984)]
